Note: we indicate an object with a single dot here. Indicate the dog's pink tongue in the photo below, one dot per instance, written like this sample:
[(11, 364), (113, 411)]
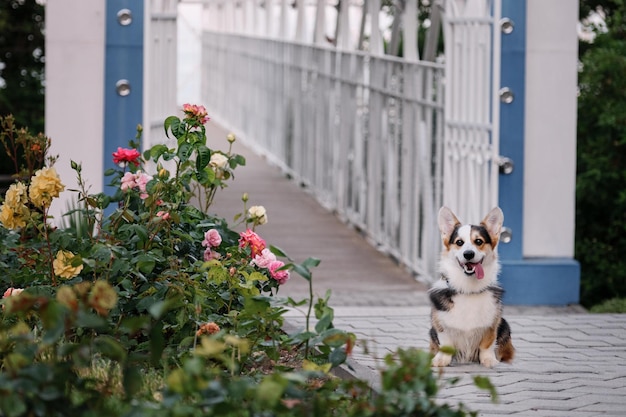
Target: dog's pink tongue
[(480, 272)]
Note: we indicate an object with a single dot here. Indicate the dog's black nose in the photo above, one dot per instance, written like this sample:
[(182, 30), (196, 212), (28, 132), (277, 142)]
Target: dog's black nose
[(468, 254)]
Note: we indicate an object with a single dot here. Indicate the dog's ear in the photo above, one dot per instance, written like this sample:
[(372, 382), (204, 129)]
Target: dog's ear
[(447, 223), (493, 223)]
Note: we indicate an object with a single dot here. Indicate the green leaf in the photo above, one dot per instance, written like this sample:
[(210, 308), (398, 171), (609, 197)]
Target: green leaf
[(484, 383), (184, 151), (53, 319), (449, 350), (12, 406), (335, 337), (109, 347), (302, 271), (171, 123), (217, 274), (133, 380), (337, 356), (156, 151), (203, 158), (278, 251), (157, 343), (145, 263), (311, 263), (255, 307), (90, 321), (237, 160), (206, 177), (270, 390), (256, 276), (324, 323), (158, 309)]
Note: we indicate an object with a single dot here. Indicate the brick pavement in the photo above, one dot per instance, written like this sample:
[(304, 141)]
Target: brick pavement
[(568, 363)]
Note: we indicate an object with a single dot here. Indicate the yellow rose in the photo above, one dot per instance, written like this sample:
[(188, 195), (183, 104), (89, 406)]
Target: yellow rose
[(44, 186), (16, 195), (63, 265), (67, 297), (13, 218), (102, 297)]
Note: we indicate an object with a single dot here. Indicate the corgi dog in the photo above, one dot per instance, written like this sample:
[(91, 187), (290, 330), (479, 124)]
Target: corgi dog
[(467, 300)]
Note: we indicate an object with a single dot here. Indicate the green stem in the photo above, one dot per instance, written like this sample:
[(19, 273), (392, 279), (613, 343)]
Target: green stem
[(308, 318), (47, 239)]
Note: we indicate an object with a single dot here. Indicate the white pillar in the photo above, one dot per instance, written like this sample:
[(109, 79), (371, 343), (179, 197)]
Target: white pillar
[(319, 36), (301, 21), (550, 128), (376, 38), (343, 32), (282, 34), (409, 29), (75, 39)]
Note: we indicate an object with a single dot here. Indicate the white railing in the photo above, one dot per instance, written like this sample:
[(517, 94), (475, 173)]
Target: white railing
[(471, 107), (363, 133), (159, 68), (376, 139)]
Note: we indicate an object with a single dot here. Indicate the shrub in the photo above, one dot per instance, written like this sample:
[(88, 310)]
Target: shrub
[(160, 309), (601, 178)]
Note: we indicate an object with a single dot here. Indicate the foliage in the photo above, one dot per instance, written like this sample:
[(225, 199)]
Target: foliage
[(21, 65), (614, 305), (601, 193), (160, 309), (26, 152)]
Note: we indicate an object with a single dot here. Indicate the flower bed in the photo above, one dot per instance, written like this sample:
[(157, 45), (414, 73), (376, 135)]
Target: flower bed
[(160, 309)]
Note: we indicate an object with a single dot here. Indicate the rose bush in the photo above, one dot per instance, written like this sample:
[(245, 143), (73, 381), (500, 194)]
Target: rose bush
[(158, 308)]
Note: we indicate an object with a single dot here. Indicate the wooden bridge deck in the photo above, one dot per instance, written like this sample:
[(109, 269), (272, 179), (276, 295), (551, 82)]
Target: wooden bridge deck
[(357, 273)]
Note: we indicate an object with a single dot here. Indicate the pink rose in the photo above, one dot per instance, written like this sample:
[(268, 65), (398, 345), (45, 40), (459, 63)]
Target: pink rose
[(164, 215), (212, 238), (280, 276), (195, 112), (126, 155), (139, 180), (264, 259), (12, 291), (254, 241), (210, 254), (142, 180), (128, 181)]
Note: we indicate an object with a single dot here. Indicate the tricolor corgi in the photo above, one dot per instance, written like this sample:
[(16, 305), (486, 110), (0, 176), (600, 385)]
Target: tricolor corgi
[(467, 300)]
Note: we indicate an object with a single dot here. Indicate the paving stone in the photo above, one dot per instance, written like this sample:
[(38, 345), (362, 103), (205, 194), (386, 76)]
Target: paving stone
[(569, 362)]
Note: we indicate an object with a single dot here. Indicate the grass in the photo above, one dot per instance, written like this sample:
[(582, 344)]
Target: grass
[(614, 305)]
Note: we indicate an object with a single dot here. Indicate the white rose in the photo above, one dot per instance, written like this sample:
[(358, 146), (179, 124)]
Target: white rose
[(259, 213), (218, 161)]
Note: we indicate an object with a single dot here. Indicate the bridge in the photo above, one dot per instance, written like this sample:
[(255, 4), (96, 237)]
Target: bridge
[(352, 150), (380, 141)]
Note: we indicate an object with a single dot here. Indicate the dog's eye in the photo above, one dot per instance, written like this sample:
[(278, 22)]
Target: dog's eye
[(459, 242), (478, 242)]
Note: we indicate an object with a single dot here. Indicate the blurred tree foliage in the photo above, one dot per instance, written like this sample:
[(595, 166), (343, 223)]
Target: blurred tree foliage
[(601, 176), (21, 66)]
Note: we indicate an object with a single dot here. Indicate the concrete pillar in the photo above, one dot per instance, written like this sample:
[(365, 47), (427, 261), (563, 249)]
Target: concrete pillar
[(538, 133), (74, 112)]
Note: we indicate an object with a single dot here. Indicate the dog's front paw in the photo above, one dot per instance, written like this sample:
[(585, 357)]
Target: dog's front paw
[(442, 359), (489, 361)]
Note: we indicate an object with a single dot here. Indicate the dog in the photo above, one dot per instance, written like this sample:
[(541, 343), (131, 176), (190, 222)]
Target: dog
[(466, 312)]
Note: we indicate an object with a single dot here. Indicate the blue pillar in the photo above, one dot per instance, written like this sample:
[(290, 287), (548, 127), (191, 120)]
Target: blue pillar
[(541, 281), (512, 73), (123, 76)]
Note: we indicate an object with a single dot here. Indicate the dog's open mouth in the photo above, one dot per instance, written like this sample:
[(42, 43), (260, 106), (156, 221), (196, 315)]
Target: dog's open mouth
[(473, 268)]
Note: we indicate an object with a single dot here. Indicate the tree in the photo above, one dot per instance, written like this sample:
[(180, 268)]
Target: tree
[(601, 171), (21, 66)]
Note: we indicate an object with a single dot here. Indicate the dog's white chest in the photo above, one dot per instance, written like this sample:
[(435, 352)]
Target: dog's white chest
[(470, 311)]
